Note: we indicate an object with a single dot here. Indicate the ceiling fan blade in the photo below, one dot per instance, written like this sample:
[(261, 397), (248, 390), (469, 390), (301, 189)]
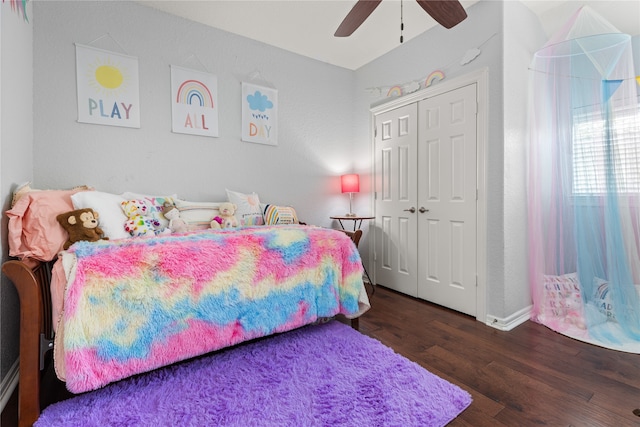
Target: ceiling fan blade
[(360, 11), (447, 13)]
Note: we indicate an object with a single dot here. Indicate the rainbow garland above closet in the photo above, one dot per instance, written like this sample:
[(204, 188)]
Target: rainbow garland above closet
[(428, 80)]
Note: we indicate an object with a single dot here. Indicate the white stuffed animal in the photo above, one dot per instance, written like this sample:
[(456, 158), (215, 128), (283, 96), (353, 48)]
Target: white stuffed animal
[(227, 211), (141, 221), (176, 224)]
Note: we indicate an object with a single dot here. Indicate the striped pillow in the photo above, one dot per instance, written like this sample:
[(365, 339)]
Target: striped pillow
[(274, 215)]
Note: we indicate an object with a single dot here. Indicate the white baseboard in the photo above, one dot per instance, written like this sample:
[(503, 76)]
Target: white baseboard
[(9, 384), (510, 322)]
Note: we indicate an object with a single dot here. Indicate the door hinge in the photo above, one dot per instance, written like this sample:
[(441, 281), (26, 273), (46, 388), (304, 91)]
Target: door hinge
[(375, 195), (477, 194), (476, 280)]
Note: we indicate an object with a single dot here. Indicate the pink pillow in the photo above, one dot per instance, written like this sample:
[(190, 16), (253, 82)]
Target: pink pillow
[(34, 231)]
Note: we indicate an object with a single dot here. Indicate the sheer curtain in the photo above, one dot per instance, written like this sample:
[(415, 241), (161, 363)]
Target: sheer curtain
[(584, 184)]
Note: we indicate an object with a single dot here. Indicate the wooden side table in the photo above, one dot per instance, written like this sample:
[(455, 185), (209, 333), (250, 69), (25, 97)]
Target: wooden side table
[(356, 226), (355, 219)]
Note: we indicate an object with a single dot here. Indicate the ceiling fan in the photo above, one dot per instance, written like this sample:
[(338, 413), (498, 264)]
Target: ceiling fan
[(447, 13)]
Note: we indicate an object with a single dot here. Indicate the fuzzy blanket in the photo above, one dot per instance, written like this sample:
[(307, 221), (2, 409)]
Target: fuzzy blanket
[(134, 305)]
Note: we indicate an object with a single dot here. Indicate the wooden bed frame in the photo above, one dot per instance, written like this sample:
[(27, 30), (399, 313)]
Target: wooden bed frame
[(36, 332)]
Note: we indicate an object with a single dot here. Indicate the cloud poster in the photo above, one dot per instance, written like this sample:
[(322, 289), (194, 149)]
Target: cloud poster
[(194, 102), (259, 114), (108, 87)]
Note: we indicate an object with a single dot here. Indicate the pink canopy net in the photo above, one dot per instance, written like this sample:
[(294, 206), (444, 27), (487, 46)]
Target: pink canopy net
[(584, 184)]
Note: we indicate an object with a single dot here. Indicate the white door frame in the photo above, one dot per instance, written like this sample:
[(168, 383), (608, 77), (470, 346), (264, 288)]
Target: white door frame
[(481, 78)]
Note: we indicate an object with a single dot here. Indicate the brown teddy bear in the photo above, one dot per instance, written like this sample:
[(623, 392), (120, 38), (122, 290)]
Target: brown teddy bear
[(81, 224)]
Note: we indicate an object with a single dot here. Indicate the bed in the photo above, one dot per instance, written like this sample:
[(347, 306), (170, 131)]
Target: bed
[(122, 307)]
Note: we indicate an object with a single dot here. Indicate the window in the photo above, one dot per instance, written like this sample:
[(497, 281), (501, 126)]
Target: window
[(595, 155)]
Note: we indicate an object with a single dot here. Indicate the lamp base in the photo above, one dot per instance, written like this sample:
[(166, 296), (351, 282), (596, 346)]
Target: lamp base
[(350, 214)]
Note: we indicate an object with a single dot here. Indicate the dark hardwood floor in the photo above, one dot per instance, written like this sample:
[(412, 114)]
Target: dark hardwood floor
[(530, 376)]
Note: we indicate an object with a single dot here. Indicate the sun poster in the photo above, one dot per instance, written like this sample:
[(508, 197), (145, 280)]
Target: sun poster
[(108, 91), (194, 102), (259, 114)]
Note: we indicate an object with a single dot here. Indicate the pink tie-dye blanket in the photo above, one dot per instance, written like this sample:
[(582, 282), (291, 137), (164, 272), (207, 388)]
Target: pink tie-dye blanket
[(137, 304)]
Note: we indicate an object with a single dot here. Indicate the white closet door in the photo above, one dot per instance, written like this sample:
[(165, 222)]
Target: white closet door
[(396, 180), (447, 199)]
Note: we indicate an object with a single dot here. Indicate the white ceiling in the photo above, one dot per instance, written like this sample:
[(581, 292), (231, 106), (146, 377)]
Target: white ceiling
[(306, 27)]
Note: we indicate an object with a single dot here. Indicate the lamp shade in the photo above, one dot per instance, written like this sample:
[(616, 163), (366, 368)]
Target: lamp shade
[(350, 183)]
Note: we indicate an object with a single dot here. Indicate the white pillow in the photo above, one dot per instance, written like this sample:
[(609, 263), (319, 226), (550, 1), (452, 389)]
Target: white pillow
[(248, 210), (602, 297), (197, 215), (107, 205), (562, 295)]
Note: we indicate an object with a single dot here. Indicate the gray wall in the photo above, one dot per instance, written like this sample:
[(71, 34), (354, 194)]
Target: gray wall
[(523, 36), (315, 115), (635, 42), (16, 156)]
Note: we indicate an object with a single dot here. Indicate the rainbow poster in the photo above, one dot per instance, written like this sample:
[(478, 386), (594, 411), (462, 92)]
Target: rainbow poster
[(107, 84), (259, 114), (194, 102)]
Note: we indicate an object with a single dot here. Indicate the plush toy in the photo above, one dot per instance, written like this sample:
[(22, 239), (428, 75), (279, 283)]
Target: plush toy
[(176, 224), (141, 221), (81, 224), (574, 312), (227, 211), (216, 223)]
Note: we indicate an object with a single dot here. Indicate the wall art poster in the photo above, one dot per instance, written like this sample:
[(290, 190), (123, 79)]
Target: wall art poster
[(108, 84), (194, 102), (259, 114)]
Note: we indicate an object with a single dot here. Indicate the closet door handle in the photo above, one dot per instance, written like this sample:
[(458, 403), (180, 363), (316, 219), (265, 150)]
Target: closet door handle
[(411, 209), (423, 210)]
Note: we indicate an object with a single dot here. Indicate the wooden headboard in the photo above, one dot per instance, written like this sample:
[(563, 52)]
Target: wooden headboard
[(36, 332)]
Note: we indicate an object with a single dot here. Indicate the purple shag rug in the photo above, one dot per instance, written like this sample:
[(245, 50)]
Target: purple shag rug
[(320, 375)]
